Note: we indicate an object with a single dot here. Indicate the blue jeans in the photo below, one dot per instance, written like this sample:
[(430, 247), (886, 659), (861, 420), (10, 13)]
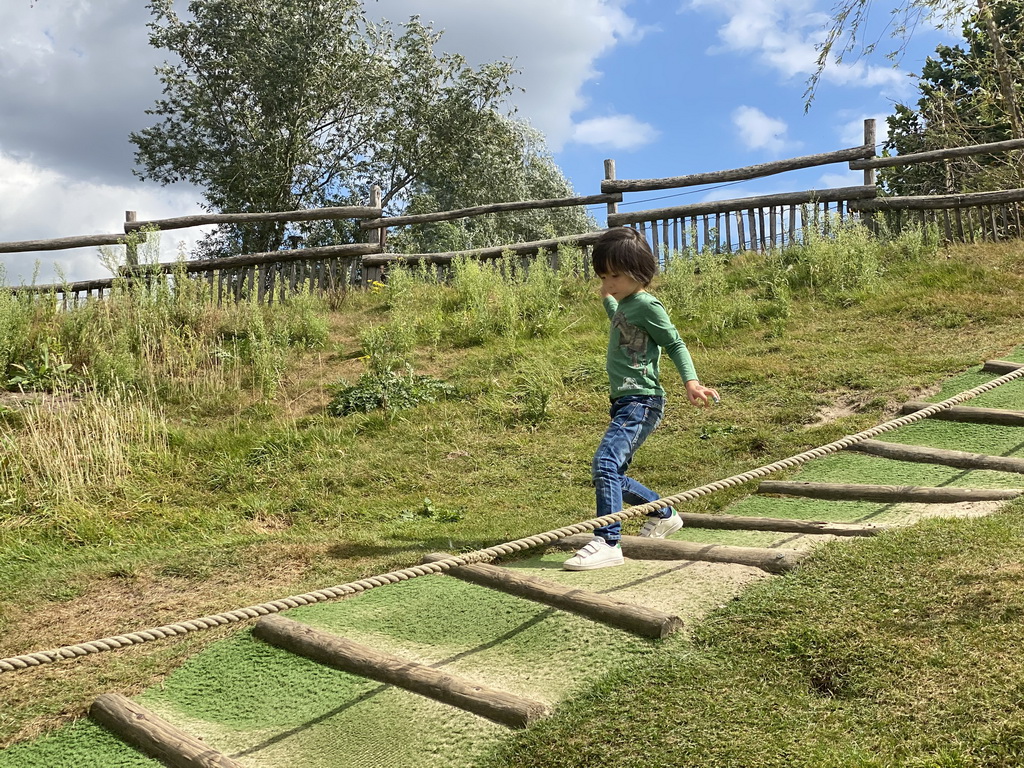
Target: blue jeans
[(633, 418)]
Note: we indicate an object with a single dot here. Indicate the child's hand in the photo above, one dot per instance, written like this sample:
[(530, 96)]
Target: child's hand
[(701, 395)]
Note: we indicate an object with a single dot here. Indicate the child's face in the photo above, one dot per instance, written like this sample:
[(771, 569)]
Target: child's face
[(618, 285)]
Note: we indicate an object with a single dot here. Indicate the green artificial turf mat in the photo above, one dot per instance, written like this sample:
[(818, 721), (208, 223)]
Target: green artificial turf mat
[(79, 745), (267, 707)]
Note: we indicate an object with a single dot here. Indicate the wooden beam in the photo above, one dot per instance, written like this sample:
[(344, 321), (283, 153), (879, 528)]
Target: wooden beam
[(81, 285), (628, 616), (60, 243), (969, 414), (887, 494), (742, 204), (737, 174), (1001, 367), (344, 654), (136, 725), (937, 154), (202, 219), (480, 210), (494, 252), (640, 548), (781, 525), (252, 259), (935, 202), (926, 455)]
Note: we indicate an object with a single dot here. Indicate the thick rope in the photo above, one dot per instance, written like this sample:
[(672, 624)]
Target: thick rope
[(355, 587)]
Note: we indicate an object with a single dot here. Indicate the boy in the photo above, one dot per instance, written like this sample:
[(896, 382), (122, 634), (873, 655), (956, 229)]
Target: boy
[(640, 327)]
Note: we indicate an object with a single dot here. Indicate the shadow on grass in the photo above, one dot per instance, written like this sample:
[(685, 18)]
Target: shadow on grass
[(299, 729)]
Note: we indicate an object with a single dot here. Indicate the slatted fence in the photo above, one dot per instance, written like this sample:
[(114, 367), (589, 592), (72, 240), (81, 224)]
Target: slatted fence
[(724, 226)]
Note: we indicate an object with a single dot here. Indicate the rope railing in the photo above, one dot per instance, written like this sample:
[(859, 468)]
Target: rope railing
[(40, 658)]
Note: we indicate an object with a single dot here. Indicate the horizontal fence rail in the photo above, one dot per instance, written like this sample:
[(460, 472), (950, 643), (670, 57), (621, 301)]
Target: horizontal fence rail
[(204, 219), (743, 204), (738, 174), (60, 243), (183, 222), (263, 276), (937, 154), (255, 259), (375, 266), (934, 202), (482, 210), (492, 252)]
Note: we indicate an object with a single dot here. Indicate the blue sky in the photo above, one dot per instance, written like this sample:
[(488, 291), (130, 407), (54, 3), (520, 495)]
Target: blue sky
[(665, 87), (715, 85)]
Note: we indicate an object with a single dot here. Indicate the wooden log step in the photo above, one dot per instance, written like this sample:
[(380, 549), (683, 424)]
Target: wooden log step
[(136, 725), (947, 458), (349, 656), (969, 414), (887, 494), (640, 548), (782, 525), (1002, 367), (628, 616)]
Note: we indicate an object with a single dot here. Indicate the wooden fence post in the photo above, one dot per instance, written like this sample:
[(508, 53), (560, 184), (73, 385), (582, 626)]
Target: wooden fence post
[(131, 249), (375, 236), (609, 174), (869, 173), (869, 141)]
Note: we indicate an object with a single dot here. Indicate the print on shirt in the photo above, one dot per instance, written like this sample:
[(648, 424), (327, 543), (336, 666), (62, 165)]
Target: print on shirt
[(631, 339), (629, 383)]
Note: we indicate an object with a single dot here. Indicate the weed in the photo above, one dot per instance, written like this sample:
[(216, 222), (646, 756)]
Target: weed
[(46, 372), (388, 391), (427, 511)]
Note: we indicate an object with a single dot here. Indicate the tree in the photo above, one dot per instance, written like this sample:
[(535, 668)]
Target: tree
[(513, 164), (285, 104), (960, 104), (849, 18)]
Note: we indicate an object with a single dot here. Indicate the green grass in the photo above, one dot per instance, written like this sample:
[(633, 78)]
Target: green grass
[(255, 492), (898, 650)]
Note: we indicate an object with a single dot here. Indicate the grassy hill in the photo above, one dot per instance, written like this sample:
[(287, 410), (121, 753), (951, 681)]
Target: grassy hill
[(198, 466)]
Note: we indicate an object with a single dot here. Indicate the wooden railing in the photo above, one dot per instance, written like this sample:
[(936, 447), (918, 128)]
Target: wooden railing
[(771, 221), (274, 275), (749, 223)]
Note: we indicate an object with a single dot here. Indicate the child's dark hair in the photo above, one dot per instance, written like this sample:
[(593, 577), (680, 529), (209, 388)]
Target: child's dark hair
[(623, 250)]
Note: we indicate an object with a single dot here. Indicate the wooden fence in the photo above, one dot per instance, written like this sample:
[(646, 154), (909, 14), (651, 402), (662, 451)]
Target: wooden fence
[(272, 276), (771, 221), (750, 223)]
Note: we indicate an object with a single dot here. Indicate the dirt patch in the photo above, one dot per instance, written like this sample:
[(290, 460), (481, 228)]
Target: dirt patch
[(116, 604), (847, 404), (41, 400), (906, 514), (113, 605), (851, 403)]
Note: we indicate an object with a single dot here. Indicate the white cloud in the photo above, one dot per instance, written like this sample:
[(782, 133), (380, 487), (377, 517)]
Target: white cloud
[(783, 34), (554, 44), (841, 179), (614, 132), (40, 203), (75, 79), (759, 131), (77, 76), (851, 134)]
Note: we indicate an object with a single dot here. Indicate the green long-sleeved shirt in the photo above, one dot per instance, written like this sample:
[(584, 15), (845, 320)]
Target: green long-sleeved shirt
[(640, 328)]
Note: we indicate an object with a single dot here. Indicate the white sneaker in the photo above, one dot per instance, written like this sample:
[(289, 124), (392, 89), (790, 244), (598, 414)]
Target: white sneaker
[(597, 554), (659, 528)]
